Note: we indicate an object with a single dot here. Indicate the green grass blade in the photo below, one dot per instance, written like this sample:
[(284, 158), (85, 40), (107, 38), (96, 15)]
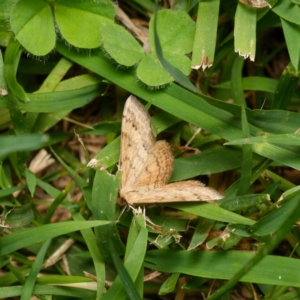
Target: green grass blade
[(30, 281), (287, 10), (286, 87), (19, 216), (246, 170), (274, 121), (133, 265), (104, 195), (284, 155), (137, 225), (49, 84), (224, 158), (274, 220), (3, 85), (239, 203), (284, 139), (126, 280), (30, 236), (16, 116), (257, 83), (273, 270), (9, 191), (292, 38), (57, 201), (31, 181), (11, 61), (14, 291), (245, 31), (24, 142), (201, 232), (213, 212), (236, 81), (169, 285), (206, 34)]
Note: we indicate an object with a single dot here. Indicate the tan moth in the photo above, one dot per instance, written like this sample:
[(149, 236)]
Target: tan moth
[(147, 165)]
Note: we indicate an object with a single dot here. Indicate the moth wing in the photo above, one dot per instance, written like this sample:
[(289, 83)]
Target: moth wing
[(174, 192), (158, 167), (137, 140), (256, 3)]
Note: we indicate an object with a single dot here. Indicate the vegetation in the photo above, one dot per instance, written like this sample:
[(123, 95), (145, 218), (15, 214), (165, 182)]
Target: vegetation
[(66, 69)]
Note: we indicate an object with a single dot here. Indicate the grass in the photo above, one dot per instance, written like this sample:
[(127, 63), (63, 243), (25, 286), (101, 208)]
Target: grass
[(63, 234)]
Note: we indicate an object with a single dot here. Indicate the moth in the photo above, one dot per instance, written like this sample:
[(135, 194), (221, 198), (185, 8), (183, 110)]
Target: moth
[(147, 164)]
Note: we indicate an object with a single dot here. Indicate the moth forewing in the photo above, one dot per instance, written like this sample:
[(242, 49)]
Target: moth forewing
[(256, 3), (136, 141)]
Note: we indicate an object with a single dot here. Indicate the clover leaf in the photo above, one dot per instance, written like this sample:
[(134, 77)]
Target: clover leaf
[(176, 32), (32, 22)]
